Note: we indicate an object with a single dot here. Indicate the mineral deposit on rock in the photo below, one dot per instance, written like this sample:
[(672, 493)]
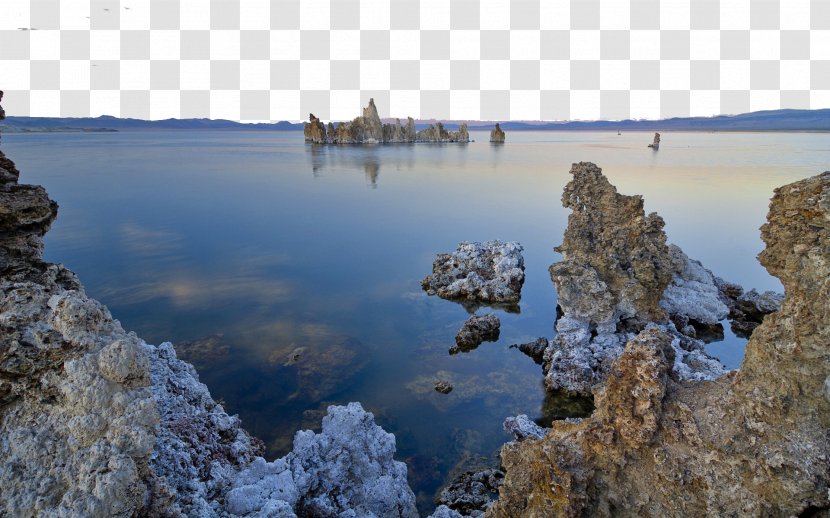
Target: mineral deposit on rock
[(477, 329), (497, 134), (749, 443), (488, 273), (610, 285), (369, 129)]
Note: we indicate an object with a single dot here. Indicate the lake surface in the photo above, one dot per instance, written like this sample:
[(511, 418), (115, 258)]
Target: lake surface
[(307, 260)]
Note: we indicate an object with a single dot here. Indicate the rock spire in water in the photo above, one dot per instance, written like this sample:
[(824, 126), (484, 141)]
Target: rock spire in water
[(369, 129), (656, 144), (497, 134), (749, 443), (611, 282)]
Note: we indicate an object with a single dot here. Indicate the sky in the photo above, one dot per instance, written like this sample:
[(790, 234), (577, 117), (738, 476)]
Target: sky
[(271, 60)]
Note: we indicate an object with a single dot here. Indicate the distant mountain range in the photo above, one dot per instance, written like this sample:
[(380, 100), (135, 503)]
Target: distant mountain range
[(770, 120)]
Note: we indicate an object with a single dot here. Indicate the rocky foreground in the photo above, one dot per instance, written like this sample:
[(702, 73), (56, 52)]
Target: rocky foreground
[(96, 422), (369, 129), (751, 442)]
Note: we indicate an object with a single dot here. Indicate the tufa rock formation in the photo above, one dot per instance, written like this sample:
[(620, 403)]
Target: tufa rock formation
[(476, 329), (479, 274), (497, 135), (656, 144), (369, 129), (96, 422), (749, 443), (610, 284)]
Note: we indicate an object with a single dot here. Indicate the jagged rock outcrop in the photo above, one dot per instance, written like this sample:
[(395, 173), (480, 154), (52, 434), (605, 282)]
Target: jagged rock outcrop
[(610, 285), (535, 349), (346, 470), (369, 129), (96, 422), (315, 131), (749, 443), (747, 309), (476, 329), (521, 427), (470, 494), (491, 273), (497, 134), (656, 143)]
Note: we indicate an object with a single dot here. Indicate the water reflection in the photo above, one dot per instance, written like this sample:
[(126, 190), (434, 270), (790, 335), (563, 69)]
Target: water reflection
[(365, 158), (314, 276)]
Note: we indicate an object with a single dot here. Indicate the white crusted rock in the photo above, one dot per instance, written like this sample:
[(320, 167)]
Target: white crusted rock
[(489, 273), (692, 292)]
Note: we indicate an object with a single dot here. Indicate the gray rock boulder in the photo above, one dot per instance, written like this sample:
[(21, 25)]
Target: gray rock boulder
[(480, 274), (346, 470), (475, 330)]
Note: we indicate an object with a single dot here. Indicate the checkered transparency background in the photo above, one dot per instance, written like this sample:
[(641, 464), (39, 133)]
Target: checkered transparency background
[(267, 60)]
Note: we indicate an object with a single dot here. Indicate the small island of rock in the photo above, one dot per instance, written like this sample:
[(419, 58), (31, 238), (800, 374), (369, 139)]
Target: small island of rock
[(656, 144), (497, 135), (369, 129)]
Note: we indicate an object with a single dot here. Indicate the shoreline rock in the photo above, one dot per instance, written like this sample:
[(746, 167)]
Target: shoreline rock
[(751, 442), (96, 422), (611, 283), (369, 129)]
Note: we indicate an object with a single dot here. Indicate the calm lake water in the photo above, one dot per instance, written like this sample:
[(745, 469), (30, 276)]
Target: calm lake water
[(307, 260)]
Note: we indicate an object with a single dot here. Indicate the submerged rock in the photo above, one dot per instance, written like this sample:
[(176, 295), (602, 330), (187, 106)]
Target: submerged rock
[(444, 387), (476, 329), (611, 283), (497, 134), (369, 129), (656, 144), (491, 273), (751, 443)]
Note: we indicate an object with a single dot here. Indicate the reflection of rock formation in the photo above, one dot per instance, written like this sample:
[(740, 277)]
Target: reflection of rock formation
[(96, 422), (656, 144), (497, 135), (369, 129), (611, 282), (750, 443), (372, 170), (481, 274)]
